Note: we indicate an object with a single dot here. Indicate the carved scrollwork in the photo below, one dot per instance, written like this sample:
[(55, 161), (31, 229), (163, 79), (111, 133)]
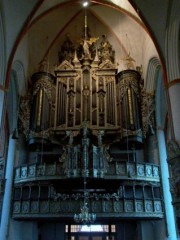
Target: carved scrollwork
[(174, 159), (94, 196), (24, 114), (105, 50), (67, 50), (41, 134), (44, 84), (173, 152), (173, 149), (127, 82), (107, 64), (126, 132), (147, 109)]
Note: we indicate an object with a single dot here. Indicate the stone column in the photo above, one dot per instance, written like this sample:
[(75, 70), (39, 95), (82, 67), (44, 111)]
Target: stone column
[(174, 144), (150, 147), (169, 212), (174, 162), (1, 102), (6, 206), (174, 96)]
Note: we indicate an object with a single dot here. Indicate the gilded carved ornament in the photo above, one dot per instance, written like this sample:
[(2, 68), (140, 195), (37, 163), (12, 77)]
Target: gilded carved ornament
[(65, 65), (24, 113), (129, 61), (126, 83), (173, 149), (96, 196), (45, 85)]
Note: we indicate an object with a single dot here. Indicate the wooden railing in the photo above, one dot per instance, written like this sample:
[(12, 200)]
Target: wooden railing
[(114, 170), (103, 208)]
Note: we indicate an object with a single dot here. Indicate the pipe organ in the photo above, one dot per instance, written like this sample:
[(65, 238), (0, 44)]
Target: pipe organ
[(88, 120), (86, 92)]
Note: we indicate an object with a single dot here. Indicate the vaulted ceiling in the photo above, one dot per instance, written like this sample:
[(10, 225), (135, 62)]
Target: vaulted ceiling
[(43, 31), (118, 20)]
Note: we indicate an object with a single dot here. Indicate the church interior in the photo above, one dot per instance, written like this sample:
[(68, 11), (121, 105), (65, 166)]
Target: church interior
[(89, 131)]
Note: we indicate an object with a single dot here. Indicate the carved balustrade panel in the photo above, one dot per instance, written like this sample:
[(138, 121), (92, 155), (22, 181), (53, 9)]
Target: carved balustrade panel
[(115, 170), (103, 208)]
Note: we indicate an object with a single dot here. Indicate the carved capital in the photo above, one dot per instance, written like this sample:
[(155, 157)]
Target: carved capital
[(173, 152)]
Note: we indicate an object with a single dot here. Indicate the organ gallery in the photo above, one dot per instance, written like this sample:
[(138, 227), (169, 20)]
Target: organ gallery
[(86, 121)]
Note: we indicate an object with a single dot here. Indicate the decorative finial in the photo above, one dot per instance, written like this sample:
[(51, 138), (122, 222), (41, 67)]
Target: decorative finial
[(129, 61)]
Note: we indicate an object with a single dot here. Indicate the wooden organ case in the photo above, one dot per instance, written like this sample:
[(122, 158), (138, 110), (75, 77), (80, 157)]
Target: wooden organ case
[(83, 95)]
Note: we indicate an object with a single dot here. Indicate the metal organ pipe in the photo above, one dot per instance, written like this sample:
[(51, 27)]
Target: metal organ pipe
[(39, 112), (63, 96), (60, 103)]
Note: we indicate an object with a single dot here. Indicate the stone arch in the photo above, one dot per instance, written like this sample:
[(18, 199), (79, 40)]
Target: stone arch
[(12, 102), (16, 88), (2, 53), (172, 47), (154, 83), (152, 73), (160, 101), (18, 70)]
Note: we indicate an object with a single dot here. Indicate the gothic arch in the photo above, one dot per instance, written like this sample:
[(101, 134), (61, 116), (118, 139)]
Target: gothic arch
[(152, 73), (2, 59), (12, 102), (18, 70), (160, 101), (16, 88), (173, 44), (155, 84)]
